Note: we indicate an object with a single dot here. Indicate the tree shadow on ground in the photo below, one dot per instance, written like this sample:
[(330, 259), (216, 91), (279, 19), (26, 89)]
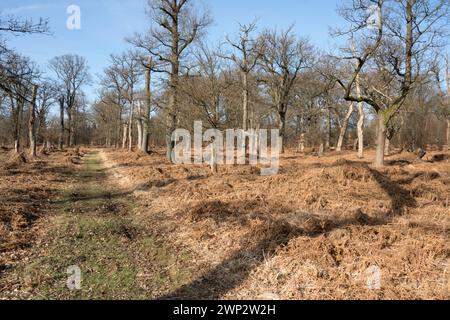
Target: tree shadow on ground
[(276, 233)]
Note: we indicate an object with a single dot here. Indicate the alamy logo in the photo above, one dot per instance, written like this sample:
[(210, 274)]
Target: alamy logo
[(229, 148), (74, 278), (373, 274), (74, 20)]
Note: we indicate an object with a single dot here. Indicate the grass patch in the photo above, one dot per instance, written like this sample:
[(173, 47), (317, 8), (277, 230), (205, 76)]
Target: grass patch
[(95, 231)]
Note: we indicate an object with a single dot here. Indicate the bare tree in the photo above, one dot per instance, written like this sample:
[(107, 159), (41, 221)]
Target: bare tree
[(205, 86), (17, 73), (176, 26), (47, 96), (114, 92), (17, 25), (128, 67), (72, 73), (404, 33), (283, 58), (443, 111), (246, 55)]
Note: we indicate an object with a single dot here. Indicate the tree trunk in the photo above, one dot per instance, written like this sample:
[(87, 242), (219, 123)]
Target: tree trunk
[(387, 145), (147, 109), (282, 128), (245, 101), (328, 133), (119, 123), (17, 124), (213, 164), (448, 134), (173, 99), (361, 119), (360, 127), (321, 149), (172, 115), (31, 123), (125, 135), (70, 125), (409, 41), (139, 123), (381, 140), (302, 142), (75, 115), (130, 126), (344, 128), (61, 121)]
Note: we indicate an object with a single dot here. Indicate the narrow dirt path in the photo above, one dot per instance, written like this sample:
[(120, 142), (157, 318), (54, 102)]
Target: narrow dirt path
[(93, 229)]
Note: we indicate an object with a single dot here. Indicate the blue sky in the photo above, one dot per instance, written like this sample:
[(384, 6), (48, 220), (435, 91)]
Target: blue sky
[(105, 24)]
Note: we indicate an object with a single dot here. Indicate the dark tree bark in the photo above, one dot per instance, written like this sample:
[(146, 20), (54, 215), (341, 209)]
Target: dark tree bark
[(147, 108), (61, 123)]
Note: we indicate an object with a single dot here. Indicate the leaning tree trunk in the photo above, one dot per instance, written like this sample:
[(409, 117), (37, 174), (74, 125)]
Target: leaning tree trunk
[(61, 121), (31, 123), (344, 128), (381, 140)]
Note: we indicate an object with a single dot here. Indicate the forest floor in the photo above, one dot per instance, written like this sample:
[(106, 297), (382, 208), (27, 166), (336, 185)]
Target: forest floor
[(139, 227)]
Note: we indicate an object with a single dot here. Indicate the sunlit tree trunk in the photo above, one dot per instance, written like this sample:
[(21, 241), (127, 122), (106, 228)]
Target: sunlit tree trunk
[(381, 140), (130, 125), (139, 121), (118, 123), (360, 129), (18, 124), (387, 146), (32, 121), (125, 135), (344, 127)]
